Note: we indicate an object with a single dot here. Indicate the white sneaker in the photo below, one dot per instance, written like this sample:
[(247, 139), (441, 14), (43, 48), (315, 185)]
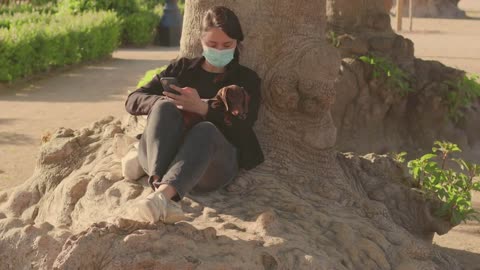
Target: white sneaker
[(174, 213), (131, 168), (157, 207)]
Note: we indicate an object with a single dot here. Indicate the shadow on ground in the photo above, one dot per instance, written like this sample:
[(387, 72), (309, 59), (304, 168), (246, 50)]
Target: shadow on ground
[(13, 138), (469, 260), (90, 83)]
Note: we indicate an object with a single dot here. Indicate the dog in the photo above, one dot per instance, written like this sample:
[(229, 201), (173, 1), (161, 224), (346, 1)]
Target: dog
[(232, 100)]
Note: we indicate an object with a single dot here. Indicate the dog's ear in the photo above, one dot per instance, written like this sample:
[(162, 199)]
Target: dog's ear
[(223, 96)]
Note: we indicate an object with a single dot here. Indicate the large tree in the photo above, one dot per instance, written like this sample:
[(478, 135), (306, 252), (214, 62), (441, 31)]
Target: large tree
[(305, 207)]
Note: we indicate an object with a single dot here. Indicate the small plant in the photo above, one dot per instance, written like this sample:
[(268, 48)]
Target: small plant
[(467, 90), (398, 157), (46, 137), (332, 37), (396, 78), (453, 187), (149, 76)]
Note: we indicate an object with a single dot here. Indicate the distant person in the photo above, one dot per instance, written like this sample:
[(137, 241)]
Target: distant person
[(208, 155)]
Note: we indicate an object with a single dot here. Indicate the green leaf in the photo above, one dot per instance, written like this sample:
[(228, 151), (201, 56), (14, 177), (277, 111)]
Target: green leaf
[(427, 157)]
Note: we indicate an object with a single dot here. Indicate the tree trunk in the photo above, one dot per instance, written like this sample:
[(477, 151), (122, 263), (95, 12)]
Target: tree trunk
[(285, 44)]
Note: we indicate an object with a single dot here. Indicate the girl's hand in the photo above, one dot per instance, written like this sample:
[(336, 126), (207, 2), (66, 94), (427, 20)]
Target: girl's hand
[(189, 100)]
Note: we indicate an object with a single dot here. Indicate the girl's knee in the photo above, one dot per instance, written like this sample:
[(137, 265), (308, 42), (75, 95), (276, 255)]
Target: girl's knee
[(165, 106), (205, 128)]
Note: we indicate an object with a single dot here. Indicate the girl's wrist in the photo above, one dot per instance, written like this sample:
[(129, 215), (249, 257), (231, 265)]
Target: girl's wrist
[(203, 110)]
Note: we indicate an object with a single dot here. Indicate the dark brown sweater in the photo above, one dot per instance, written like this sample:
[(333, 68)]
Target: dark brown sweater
[(188, 71)]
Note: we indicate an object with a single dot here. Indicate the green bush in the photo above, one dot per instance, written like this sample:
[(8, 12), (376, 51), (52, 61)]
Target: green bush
[(434, 176), (58, 40), (181, 6), (139, 17), (18, 19), (465, 91), (122, 7), (139, 28), (35, 6), (396, 77), (43, 2), (149, 75)]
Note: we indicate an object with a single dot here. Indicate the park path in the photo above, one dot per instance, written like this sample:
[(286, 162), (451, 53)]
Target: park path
[(74, 99), (455, 43)]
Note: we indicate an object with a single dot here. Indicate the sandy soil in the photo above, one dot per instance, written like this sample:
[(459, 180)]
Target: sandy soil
[(81, 95), (73, 99), (455, 43)]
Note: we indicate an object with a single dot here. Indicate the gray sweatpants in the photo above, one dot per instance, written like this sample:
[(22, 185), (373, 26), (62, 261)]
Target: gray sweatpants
[(200, 158)]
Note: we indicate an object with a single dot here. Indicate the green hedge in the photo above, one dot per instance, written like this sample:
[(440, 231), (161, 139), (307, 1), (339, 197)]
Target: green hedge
[(122, 7), (149, 75), (139, 28), (47, 7), (139, 17), (19, 19), (58, 40)]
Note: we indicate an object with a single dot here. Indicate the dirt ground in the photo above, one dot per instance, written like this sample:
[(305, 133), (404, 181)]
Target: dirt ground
[(81, 95), (73, 99), (455, 43)]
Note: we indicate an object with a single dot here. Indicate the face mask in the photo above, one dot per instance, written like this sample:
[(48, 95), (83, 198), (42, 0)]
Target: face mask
[(218, 58)]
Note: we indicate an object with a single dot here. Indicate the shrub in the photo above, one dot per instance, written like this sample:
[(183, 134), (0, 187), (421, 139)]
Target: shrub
[(181, 6), (396, 77), (139, 28), (139, 18), (398, 157), (453, 187), (18, 19), (149, 75), (35, 6), (76, 6), (62, 39), (122, 7), (466, 90)]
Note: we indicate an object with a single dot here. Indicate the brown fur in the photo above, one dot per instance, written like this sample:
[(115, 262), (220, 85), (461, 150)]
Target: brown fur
[(232, 100)]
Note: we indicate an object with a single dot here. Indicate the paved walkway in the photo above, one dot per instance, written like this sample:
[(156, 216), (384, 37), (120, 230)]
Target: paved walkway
[(453, 42)]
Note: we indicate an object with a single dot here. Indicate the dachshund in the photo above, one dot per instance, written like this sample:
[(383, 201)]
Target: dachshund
[(232, 100)]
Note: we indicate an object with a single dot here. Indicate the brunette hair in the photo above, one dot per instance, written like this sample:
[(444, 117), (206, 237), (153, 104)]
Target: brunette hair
[(225, 19)]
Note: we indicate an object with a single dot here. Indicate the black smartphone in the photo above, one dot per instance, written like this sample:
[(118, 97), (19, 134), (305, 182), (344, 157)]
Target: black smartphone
[(166, 81)]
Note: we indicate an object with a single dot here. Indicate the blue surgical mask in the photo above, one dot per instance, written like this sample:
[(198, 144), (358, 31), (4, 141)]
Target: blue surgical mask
[(218, 58)]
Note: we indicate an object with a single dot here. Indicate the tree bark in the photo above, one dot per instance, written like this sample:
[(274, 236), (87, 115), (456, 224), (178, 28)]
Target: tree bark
[(285, 44)]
